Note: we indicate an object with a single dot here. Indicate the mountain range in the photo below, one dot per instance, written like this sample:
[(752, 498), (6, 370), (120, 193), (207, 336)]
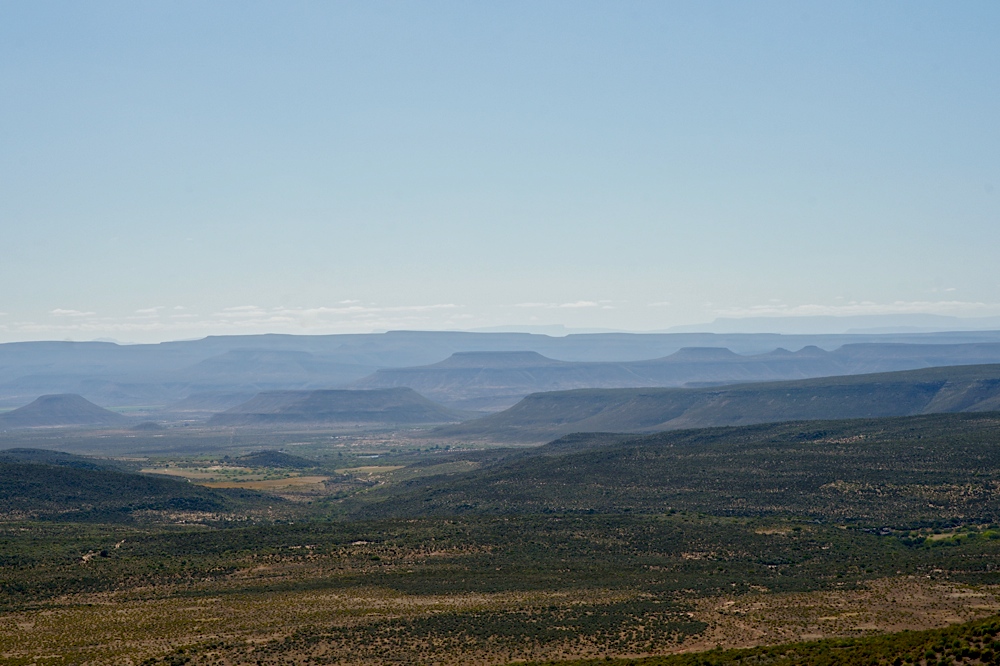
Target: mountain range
[(396, 406), (228, 369), (541, 417), (495, 380)]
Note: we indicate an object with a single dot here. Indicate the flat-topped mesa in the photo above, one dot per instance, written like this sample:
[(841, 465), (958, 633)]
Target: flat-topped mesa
[(495, 359), (63, 409), (809, 351), (703, 354)]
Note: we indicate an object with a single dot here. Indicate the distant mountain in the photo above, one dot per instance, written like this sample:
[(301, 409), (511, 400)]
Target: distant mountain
[(65, 409), (543, 416), (395, 406), (206, 404), (157, 376), (268, 368), (496, 380)]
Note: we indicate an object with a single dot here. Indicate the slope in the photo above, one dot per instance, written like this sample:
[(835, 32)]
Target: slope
[(385, 406), (898, 473), (60, 410), (495, 380), (498, 379), (57, 458), (542, 416), (32, 490)]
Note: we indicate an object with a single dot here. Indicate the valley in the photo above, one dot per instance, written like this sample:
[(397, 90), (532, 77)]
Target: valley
[(373, 526), (591, 546)]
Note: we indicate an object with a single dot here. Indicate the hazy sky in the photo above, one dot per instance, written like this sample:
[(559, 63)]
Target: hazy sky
[(175, 169)]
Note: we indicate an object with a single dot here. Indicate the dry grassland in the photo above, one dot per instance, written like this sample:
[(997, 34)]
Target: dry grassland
[(269, 484), (370, 469), (237, 627), (886, 605)]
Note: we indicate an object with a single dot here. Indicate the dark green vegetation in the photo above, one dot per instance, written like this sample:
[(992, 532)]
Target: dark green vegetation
[(583, 578), (68, 491), (485, 555), (388, 406), (46, 457), (593, 545), (898, 473), (274, 459), (543, 416), (969, 643), (60, 410)]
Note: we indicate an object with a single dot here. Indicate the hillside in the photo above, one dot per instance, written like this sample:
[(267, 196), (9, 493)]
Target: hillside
[(897, 473), (57, 458), (496, 380), (543, 416), (60, 410), (204, 405), (386, 406), (278, 459), (31, 490)]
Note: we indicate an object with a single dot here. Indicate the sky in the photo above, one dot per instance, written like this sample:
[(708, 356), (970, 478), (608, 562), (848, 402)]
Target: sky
[(178, 169)]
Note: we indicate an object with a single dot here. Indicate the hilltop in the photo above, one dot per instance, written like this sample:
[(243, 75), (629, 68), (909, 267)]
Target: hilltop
[(67, 409), (348, 407), (543, 416)]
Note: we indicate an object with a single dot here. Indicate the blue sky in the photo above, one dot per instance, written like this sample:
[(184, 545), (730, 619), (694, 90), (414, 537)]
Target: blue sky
[(177, 169)]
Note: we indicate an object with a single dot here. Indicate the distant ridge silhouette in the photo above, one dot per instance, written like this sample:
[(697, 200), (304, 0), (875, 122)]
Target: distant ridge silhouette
[(63, 409), (544, 416), (390, 406)]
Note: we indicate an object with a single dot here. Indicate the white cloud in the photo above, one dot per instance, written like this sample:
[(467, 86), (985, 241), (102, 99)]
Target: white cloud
[(155, 324), (60, 312), (853, 308), (573, 305)]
